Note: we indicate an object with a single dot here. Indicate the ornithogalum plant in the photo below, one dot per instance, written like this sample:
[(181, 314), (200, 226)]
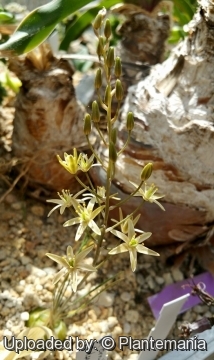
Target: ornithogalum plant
[(90, 207)]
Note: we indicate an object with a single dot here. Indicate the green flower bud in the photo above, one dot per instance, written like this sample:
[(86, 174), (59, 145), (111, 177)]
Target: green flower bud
[(60, 330), (98, 79), (118, 90), (95, 112), (146, 172), (110, 57), (112, 152), (107, 29), (112, 169), (114, 135), (98, 21), (117, 67), (87, 124), (130, 121), (106, 96), (100, 46)]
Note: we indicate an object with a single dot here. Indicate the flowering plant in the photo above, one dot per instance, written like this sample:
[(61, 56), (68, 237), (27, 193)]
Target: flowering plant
[(91, 207)]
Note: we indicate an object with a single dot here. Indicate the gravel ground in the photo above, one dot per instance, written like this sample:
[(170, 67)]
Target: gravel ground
[(26, 234)]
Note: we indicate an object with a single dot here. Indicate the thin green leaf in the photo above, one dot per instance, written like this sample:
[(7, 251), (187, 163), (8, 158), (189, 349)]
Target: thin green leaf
[(38, 25), (82, 22), (183, 11)]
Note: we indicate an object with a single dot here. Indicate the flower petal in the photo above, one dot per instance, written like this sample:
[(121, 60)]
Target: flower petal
[(119, 249), (131, 231), (144, 250), (70, 253), (133, 258), (55, 207), (90, 205), (97, 211), (120, 235), (71, 222), (143, 237), (157, 202), (74, 281), (87, 267), (94, 227), (81, 230), (79, 257), (59, 259), (59, 275)]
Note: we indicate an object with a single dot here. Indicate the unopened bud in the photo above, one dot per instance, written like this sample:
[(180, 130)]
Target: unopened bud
[(114, 135), (87, 124), (146, 172), (110, 57), (98, 79), (117, 67), (112, 152), (99, 18), (130, 121), (107, 29), (95, 114), (118, 90), (107, 94), (100, 46), (98, 21)]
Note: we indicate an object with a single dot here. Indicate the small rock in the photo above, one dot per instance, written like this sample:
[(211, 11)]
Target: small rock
[(140, 280), (132, 316), (159, 280), (37, 210), (150, 282), (24, 316), (25, 260), (106, 299), (17, 205), (112, 321), (133, 356), (3, 254), (168, 278), (199, 309), (125, 296), (117, 357), (126, 328), (35, 271), (177, 275)]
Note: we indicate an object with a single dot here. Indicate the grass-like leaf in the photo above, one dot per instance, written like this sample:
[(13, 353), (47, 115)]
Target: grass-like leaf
[(38, 25), (82, 22)]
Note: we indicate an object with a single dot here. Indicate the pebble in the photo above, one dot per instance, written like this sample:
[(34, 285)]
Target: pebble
[(35, 271), (17, 205), (199, 309), (168, 278), (125, 296), (37, 210), (177, 274), (105, 299), (150, 282), (159, 280), (127, 327), (24, 316), (132, 316), (112, 321), (25, 260)]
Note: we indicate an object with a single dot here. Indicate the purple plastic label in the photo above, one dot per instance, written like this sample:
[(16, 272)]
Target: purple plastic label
[(174, 291)]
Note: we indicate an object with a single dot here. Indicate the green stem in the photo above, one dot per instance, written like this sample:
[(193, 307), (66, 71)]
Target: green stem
[(101, 134), (96, 156), (124, 146), (127, 198)]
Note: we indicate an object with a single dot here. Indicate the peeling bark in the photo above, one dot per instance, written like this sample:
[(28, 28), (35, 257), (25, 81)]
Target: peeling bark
[(48, 118), (173, 109)]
